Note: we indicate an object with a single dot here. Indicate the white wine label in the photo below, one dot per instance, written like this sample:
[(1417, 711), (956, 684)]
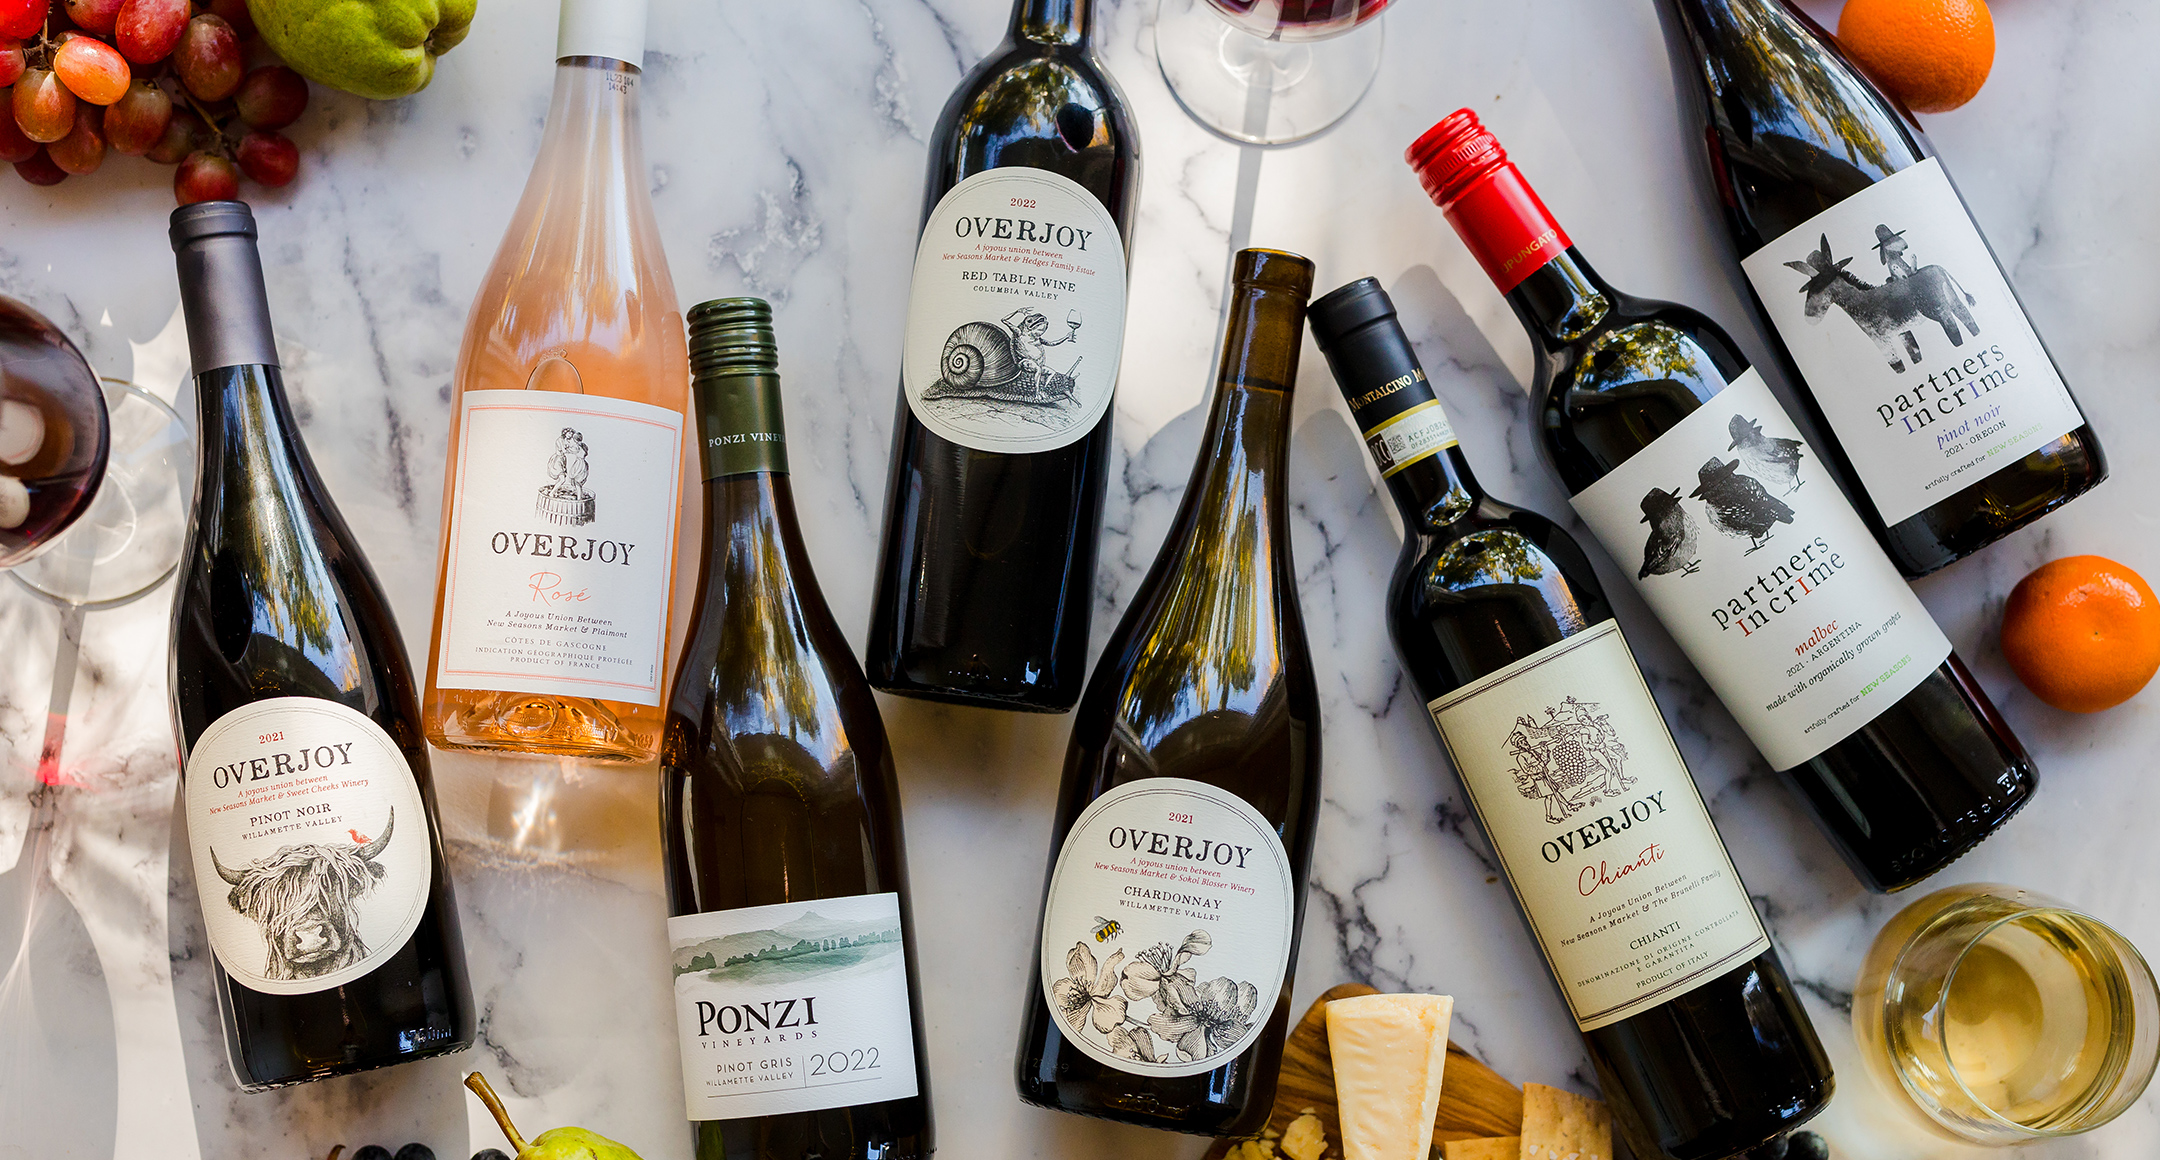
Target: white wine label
[(794, 1007), (1016, 316), (1758, 566), (562, 546), (1166, 932), (311, 844), (1602, 834), (1921, 359)]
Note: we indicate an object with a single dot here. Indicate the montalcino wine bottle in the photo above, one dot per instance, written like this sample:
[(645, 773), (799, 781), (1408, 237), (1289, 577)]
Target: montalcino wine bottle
[(1701, 488), (794, 963), (310, 811), (1695, 1033), (1016, 324), (1185, 820), (1904, 337), (564, 480)]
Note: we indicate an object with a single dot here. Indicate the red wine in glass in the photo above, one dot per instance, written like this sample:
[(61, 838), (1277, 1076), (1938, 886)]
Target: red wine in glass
[(54, 434), (1298, 19)]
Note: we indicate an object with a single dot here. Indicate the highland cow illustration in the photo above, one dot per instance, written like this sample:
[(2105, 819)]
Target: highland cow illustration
[(1885, 312), (1739, 505), (1574, 759), (1671, 546), (1774, 460), (1007, 362), (306, 900), (563, 498)]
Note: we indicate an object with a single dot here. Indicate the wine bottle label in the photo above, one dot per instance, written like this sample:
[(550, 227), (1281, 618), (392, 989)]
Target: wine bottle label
[(1598, 826), (794, 1007), (1167, 928), (562, 545), (1016, 316), (1402, 422), (1921, 358), (1764, 574), (310, 841)]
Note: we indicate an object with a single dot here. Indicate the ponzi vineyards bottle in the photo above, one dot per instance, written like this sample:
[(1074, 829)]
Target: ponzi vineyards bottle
[(564, 481), (1610, 853), (1905, 340), (1185, 819), (794, 954), (1016, 324), (1712, 502), (310, 810)]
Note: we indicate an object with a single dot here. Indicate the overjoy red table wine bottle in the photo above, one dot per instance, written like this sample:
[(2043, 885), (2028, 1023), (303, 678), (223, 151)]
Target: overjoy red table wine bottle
[(1704, 492), (1698, 1040), (1016, 323), (310, 810), (1906, 341), (1185, 820), (794, 954)]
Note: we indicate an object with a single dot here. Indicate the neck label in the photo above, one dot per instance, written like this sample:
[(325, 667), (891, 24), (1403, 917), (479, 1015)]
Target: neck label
[(1401, 420), (739, 425), (1507, 227), (1604, 839)]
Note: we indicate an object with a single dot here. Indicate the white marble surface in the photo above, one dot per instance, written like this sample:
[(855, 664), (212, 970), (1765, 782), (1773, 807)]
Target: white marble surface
[(786, 142)]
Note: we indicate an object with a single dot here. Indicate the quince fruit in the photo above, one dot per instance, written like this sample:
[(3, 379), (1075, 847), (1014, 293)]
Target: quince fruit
[(379, 49)]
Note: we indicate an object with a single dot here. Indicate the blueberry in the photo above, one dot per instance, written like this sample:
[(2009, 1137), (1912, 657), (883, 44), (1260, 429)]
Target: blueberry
[(1809, 1146), (372, 1152), (490, 1154), (415, 1152)]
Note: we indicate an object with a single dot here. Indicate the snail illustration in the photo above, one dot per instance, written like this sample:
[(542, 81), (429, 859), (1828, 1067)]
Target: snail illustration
[(979, 355), (1005, 359)]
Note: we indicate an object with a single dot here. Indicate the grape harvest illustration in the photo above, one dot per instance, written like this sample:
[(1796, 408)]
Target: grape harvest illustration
[(563, 498), (1573, 759)]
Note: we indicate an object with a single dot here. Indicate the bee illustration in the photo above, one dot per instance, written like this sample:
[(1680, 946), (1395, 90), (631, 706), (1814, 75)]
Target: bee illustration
[(1106, 928)]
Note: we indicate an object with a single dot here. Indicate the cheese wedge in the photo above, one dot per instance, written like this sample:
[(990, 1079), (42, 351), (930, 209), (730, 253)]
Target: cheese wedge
[(1388, 1051), (1488, 1148), (1560, 1125)]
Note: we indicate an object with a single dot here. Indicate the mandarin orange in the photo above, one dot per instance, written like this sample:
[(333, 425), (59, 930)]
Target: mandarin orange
[(1932, 54), (2083, 633)]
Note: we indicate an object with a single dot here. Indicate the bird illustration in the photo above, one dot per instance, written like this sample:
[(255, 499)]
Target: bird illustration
[(1671, 546), (1739, 506), (359, 839), (1775, 459)]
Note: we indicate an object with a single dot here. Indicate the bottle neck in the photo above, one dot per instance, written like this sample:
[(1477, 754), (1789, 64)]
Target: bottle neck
[(1529, 258), (1240, 469), (1052, 21), (1401, 420), (1561, 300), (590, 174)]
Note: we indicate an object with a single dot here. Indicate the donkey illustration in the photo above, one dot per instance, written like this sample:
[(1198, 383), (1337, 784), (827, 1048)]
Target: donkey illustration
[(1887, 310), (306, 899)]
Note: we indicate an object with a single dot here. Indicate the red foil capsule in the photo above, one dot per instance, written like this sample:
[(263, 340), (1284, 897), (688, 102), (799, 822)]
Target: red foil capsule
[(1468, 175)]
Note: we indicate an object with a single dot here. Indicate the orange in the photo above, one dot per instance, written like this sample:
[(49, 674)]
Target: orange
[(2083, 633), (1931, 54)]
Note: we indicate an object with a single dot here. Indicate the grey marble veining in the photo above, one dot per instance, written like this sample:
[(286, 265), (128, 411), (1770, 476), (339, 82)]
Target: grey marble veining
[(786, 148)]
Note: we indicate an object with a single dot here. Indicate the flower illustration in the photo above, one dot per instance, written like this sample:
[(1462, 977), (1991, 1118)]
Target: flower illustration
[(1158, 965), (1206, 1020), (1084, 992)]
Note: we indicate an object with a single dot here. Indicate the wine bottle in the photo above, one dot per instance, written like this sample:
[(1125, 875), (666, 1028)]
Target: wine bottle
[(564, 480), (1016, 323), (1701, 488), (310, 810), (1697, 1038), (1901, 334), (794, 965), (1185, 820)]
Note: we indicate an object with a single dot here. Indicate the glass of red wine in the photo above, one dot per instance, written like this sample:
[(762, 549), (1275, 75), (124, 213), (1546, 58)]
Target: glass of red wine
[(1268, 72), (90, 471)]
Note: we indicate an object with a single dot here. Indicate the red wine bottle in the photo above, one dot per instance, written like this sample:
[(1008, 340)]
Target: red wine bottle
[(310, 809), (1574, 777), (1016, 325), (1701, 488), (1898, 329)]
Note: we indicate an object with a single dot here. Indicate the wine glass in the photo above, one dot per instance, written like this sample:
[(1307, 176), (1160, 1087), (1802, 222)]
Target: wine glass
[(1268, 72), (91, 509)]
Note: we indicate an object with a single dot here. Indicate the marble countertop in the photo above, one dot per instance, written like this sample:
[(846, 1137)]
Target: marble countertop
[(786, 143)]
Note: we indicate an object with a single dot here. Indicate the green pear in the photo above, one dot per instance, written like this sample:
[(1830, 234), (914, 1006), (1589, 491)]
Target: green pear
[(553, 1144), (380, 49)]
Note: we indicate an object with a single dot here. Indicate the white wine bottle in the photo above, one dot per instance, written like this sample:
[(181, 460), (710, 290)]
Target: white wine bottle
[(565, 471)]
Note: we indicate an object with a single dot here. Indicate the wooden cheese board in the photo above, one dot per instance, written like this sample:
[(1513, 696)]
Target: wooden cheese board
[(1475, 1100)]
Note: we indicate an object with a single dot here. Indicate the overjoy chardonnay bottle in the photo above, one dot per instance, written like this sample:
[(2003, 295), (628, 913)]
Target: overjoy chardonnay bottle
[(564, 482), (1700, 487), (310, 812), (1906, 341), (794, 964), (1697, 1037), (1192, 785), (1016, 323)]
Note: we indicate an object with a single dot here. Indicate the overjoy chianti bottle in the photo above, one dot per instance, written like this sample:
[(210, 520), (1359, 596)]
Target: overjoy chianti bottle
[(310, 811), (1185, 821), (1698, 1040), (1908, 345), (564, 480), (1701, 488), (794, 964), (1016, 323)]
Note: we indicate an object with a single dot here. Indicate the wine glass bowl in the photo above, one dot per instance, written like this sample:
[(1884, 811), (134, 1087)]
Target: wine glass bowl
[(54, 433), (1268, 72), (1296, 20)]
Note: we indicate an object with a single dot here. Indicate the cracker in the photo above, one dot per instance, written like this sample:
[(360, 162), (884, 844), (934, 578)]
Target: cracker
[(1560, 1125), (1489, 1148)]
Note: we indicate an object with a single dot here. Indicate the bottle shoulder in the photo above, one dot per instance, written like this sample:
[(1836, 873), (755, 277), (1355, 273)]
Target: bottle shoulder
[(1049, 107)]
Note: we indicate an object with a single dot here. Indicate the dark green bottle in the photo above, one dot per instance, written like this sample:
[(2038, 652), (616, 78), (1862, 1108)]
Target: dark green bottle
[(794, 952)]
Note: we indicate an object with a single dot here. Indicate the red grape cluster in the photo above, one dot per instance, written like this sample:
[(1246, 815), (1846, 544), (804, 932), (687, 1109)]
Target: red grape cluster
[(162, 79)]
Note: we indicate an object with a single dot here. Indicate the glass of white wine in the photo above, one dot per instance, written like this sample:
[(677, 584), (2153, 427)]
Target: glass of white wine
[(2006, 1016)]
